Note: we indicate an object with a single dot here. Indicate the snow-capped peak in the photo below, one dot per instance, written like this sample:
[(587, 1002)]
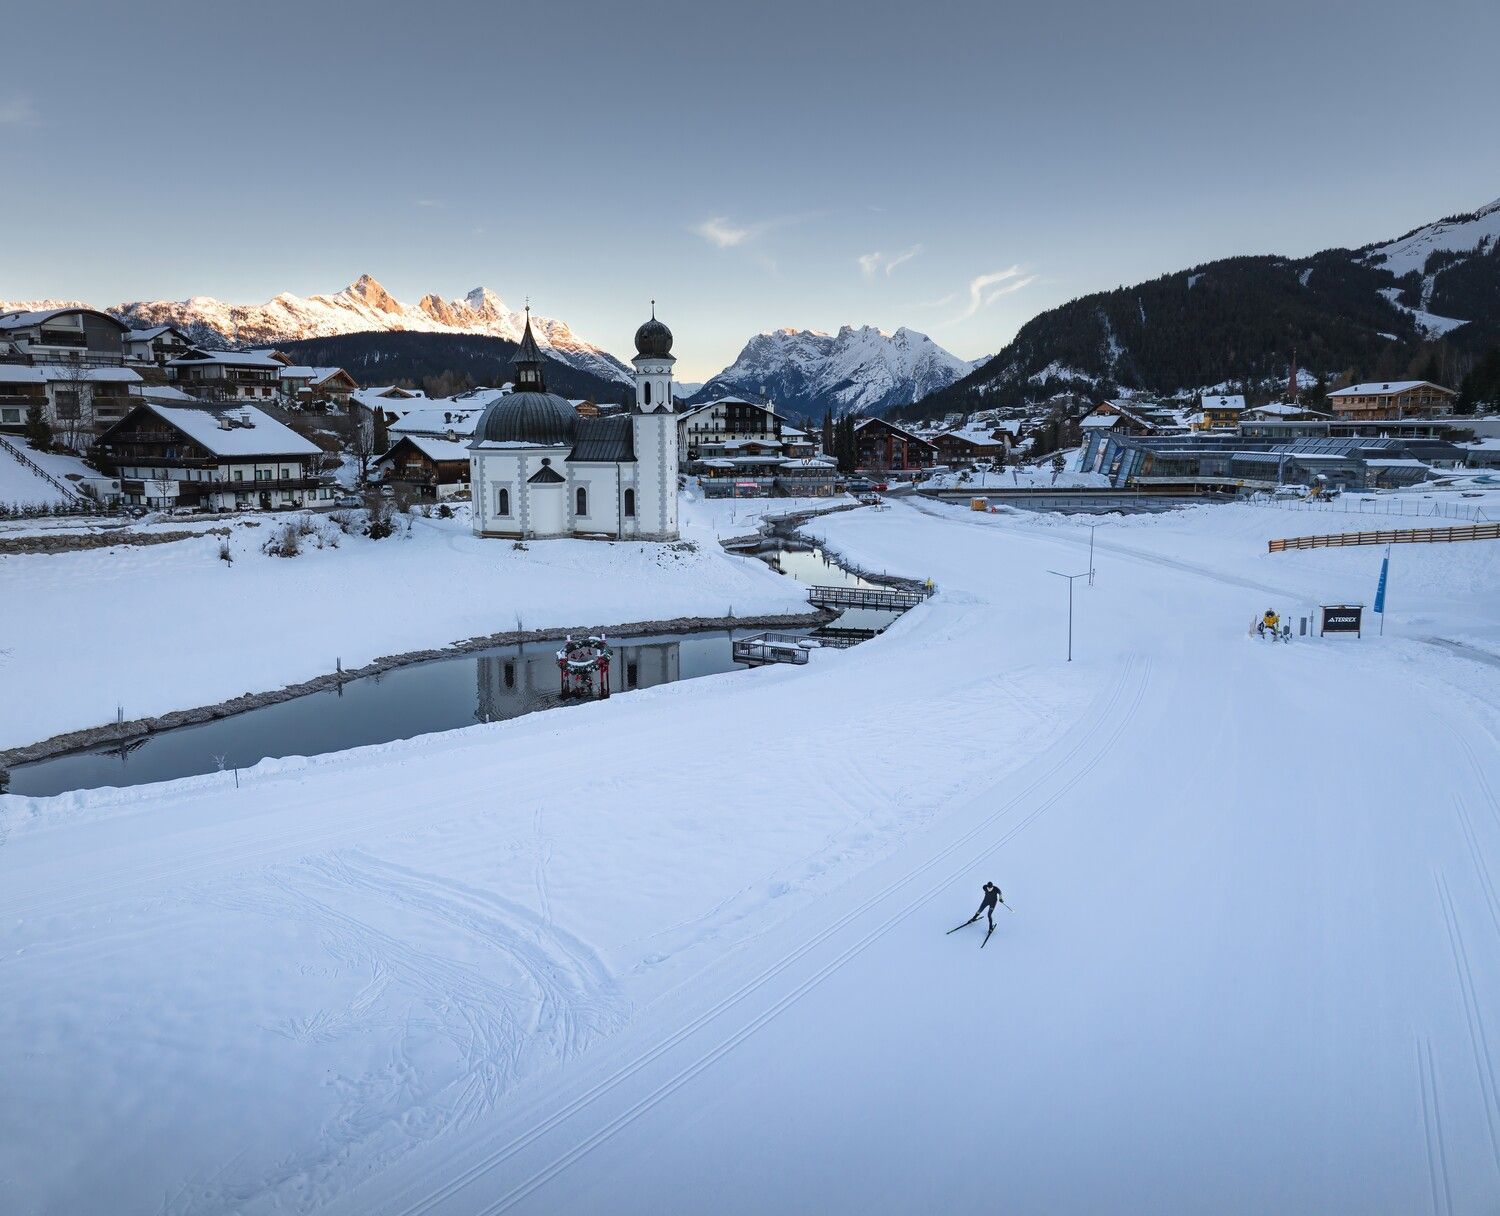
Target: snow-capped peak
[(1474, 233), (363, 306), (859, 368)]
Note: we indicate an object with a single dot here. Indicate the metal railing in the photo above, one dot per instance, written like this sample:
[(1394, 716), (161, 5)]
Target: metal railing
[(1401, 536), (68, 492), (891, 599)]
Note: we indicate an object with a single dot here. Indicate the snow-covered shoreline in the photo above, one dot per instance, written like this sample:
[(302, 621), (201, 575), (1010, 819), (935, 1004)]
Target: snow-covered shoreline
[(189, 633)]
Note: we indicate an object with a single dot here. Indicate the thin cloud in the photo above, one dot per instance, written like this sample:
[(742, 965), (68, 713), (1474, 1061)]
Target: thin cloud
[(722, 231), (17, 112), (942, 303), (985, 289), (871, 264), (429, 202), (725, 233)]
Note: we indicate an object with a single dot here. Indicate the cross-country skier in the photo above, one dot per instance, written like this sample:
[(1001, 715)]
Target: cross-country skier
[(987, 904)]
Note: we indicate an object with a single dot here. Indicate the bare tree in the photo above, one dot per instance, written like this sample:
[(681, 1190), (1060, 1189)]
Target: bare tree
[(360, 439)]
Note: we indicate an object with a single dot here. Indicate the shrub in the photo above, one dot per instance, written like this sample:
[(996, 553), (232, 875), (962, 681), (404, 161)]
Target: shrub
[(226, 554), (283, 542)]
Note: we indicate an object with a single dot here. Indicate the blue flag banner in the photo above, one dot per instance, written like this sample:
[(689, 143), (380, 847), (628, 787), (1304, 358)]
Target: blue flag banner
[(1385, 565)]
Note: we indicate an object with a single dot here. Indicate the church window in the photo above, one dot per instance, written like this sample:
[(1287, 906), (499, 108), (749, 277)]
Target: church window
[(583, 501), (629, 504), (648, 392), (502, 502)]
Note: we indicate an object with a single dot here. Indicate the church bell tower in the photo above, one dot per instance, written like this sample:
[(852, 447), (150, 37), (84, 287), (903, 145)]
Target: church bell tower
[(654, 422)]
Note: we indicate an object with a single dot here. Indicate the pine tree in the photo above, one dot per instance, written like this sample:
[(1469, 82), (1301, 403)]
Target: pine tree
[(38, 429)]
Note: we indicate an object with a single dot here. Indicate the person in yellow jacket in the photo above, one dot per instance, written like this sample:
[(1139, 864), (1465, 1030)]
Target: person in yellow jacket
[(1269, 623)]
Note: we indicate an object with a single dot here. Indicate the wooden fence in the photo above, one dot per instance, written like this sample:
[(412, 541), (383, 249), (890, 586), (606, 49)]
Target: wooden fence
[(1404, 536)]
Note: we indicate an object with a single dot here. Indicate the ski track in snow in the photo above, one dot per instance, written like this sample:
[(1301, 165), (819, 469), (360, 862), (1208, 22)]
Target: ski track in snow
[(1085, 746)]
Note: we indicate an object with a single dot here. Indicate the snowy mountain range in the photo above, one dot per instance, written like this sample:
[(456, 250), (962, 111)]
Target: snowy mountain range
[(362, 307), (1381, 311), (857, 369)]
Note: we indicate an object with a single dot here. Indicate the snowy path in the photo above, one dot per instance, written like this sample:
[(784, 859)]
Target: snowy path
[(686, 950)]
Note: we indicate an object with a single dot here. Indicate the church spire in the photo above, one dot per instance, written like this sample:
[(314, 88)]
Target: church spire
[(528, 362)]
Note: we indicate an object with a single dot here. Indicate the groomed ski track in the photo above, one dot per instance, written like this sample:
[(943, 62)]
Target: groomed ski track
[(1222, 996)]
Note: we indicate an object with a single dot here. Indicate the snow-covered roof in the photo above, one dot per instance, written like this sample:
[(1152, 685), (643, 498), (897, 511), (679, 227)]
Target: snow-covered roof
[(16, 373), (66, 372), (438, 417), (26, 318), (435, 449), (1280, 409), (1235, 402), (1099, 422), (979, 439), (717, 464), (166, 393), (263, 437), (145, 335), (315, 374), (1396, 464), (1394, 386), (810, 462), (229, 358)]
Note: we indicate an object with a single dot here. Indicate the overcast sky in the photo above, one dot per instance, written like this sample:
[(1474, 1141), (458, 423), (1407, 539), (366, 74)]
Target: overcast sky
[(955, 168)]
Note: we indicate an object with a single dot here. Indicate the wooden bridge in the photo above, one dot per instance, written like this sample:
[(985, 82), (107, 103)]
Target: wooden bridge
[(1401, 536), (886, 599)]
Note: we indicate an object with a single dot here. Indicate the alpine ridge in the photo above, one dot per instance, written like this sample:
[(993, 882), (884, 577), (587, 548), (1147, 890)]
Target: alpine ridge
[(1377, 312), (362, 307), (861, 369)]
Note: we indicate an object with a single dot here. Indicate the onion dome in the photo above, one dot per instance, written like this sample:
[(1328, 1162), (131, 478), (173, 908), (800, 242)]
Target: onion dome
[(538, 419), (653, 340)]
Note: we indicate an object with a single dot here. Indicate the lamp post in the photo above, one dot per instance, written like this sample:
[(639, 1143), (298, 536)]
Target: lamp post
[(1070, 578), (1091, 553)]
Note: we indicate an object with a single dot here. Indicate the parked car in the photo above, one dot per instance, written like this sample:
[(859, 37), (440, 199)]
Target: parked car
[(347, 501), (860, 485), (880, 487)]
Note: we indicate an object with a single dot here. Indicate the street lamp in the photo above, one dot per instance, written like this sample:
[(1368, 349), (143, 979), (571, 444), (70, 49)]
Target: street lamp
[(1070, 578), (1091, 553)]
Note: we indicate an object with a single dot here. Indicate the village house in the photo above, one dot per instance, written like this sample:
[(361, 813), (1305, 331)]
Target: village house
[(22, 389), (1120, 418), (724, 420), (1219, 413), (971, 446), (79, 336), (1395, 399), (432, 468), (156, 346), (884, 447), (213, 457), (317, 386), (228, 375)]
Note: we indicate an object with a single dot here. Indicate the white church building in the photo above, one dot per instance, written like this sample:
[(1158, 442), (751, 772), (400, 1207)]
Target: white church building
[(538, 469)]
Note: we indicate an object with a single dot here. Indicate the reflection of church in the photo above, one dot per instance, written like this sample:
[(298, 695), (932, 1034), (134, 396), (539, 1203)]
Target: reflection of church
[(526, 679)]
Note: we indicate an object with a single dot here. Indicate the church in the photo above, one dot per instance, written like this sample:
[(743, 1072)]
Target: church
[(537, 469)]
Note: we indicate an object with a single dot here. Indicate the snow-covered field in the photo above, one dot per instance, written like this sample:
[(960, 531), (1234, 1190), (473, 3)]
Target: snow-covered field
[(23, 487), (685, 950), (157, 628)]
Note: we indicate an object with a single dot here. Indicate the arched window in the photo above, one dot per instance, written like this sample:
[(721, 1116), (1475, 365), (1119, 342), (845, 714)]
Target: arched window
[(583, 501), (502, 502), (648, 392), (629, 504)]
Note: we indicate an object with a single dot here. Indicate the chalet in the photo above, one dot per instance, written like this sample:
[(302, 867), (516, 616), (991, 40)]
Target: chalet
[(971, 446), (434, 468), (438, 418), (156, 346), (220, 375), (1395, 399), (798, 445), (214, 458), (723, 420), (329, 387), (21, 390), (80, 336), (83, 401), (884, 447), (1219, 413), (1120, 418)]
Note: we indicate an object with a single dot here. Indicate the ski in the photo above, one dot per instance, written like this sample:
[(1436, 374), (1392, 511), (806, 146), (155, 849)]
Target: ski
[(965, 925), (986, 938)]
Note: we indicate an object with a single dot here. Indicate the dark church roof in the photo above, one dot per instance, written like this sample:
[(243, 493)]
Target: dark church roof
[(541, 419), (604, 439), (546, 475), (653, 340)]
